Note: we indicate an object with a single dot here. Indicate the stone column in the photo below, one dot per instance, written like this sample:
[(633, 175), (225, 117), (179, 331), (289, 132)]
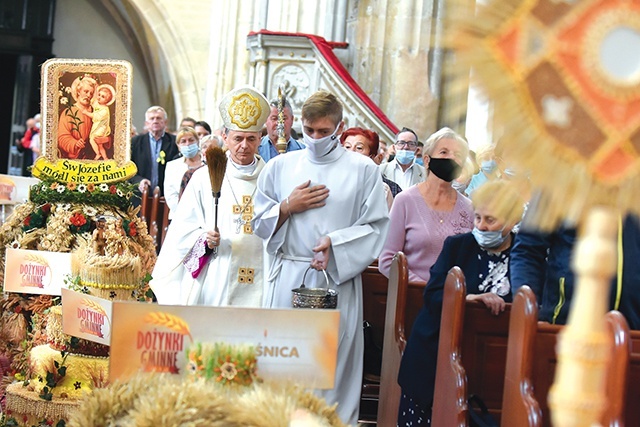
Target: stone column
[(390, 41)]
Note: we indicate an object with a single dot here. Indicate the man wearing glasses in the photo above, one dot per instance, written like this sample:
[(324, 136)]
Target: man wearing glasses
[(403, 169)]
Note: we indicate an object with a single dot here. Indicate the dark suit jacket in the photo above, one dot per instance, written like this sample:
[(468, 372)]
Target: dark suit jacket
[(141, 156)]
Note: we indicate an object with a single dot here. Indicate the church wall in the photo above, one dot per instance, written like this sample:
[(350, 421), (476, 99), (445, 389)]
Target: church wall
[(84, 29), (193, 51)]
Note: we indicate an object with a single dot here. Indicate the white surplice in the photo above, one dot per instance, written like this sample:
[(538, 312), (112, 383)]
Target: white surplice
[(235, 276), (355, 217)]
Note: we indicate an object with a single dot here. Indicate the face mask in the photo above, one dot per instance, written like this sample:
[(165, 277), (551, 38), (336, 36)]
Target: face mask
[(420, 161), (488, 166), (38, 125), (459, 186), (445, 169), (405, 157), (489, 239), (189, 151), (320, 147)]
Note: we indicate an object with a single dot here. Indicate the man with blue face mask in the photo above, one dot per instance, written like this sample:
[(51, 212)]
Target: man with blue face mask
[(403, 169), (324, 208)]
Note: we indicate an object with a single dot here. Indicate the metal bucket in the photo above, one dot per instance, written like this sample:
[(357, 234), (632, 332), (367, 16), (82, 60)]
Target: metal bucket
[(304, 297)]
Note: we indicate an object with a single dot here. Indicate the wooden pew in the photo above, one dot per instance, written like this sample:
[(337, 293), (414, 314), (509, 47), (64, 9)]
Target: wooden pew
[(484, 353), (519, 405), (531, 362), (618, 369), (450, 397), (153, 217), (483, 347), (145, 206), (471, 355), (632, 410), (154, 211), (394, 341), (484, 357), (376, 310)]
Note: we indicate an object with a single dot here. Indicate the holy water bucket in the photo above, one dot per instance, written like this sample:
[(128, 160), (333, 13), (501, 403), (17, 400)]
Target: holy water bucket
[(304, 297)]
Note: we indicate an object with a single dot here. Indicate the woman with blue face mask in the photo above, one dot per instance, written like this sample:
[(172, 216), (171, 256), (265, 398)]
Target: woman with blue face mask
[(483, 256), (191, 159), (488, 169)]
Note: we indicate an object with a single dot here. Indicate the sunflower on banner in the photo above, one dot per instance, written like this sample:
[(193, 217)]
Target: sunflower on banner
[(563, 79)]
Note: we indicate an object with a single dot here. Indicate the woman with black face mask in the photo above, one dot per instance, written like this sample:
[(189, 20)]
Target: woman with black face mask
[(424, 215), (483, 256)]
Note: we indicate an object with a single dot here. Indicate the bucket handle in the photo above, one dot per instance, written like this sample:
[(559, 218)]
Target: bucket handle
[(305, 276)]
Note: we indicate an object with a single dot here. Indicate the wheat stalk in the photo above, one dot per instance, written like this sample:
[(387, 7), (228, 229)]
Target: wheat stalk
[(94, 306), (37, 259), (170, 321)]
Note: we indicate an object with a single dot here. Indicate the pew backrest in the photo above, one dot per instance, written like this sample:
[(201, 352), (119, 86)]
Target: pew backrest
[(450, 397), (519, 405), (394, 341)]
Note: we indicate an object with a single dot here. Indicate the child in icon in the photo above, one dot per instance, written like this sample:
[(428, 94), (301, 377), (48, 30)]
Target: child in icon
[(100, 136)]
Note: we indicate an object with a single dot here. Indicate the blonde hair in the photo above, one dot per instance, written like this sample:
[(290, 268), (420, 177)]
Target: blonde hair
[(322, 104), (185, 131), (445, 133), (501, 199), (485, 152)]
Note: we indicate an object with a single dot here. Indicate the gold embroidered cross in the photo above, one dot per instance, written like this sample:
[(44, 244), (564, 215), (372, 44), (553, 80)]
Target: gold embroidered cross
[(246, 214), (245, 275)]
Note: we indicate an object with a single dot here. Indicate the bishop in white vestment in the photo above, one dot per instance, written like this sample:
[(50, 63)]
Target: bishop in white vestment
[(201, 265), (235, 275)]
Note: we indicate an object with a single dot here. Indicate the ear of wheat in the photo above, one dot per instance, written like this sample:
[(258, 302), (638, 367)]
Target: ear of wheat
[(170, 321)]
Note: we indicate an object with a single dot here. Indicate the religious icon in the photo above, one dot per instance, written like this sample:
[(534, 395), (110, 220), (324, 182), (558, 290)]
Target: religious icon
[(86, 110), (86, 132)]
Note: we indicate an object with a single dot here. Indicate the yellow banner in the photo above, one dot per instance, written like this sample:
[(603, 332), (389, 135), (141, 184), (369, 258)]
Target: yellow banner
[(82, 172)]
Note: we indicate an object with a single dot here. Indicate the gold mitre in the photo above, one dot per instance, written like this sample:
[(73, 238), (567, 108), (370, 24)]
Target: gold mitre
[(244, 109)]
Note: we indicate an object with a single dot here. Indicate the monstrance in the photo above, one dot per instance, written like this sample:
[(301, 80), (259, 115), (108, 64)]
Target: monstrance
[(564, 80)]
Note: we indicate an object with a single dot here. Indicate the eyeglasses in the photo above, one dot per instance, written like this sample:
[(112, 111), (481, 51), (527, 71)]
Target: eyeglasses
[(410, 144)]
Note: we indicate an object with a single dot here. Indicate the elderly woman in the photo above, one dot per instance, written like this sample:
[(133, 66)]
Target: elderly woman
[(367, 143), (424, 215), (483, 256), (191, 159)]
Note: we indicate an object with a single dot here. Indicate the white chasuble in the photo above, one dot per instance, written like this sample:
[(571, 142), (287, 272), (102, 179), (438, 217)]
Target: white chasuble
[(236, 275)]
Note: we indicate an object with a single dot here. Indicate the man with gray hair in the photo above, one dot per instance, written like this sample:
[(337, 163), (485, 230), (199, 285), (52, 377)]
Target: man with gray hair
[(403, 169), (267, 148), (151, 151)]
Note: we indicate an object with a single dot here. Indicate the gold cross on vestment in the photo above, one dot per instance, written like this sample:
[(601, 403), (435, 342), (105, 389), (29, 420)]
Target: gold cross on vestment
[(245, 212)]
